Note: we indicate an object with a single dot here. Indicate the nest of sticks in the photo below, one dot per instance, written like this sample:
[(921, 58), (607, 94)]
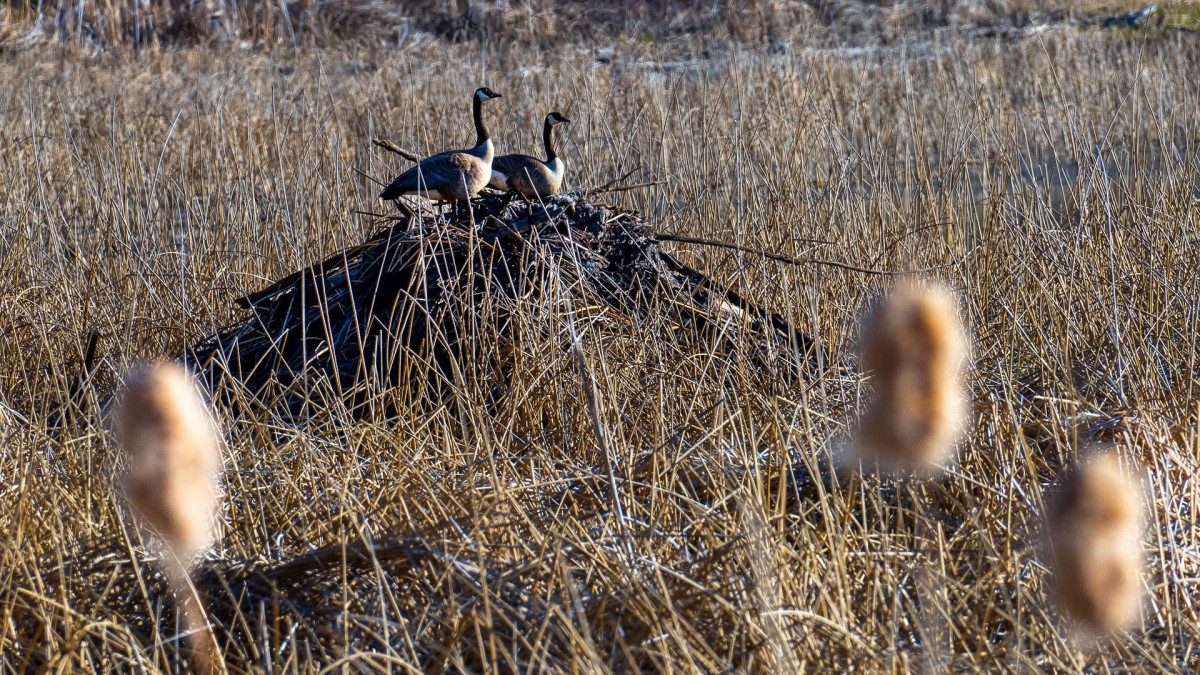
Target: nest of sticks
[(432, 296)]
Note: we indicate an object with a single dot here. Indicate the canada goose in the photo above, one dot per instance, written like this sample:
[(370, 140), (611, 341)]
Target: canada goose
[(531, 176), (453, 175)]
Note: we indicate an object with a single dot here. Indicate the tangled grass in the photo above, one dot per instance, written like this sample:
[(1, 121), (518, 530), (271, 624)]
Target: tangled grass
[(674, 509), (125, 25)]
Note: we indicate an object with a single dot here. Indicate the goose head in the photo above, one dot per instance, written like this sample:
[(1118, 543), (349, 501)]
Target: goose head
[(485, 94), (555, 118)]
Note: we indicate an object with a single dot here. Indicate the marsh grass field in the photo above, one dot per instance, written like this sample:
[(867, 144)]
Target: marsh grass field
[(1050, 177)]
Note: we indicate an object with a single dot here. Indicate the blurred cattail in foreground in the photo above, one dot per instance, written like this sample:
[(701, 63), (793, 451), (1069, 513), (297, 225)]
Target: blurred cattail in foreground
[(914, 350), (173, 456), (174, 460), (1094, 525)]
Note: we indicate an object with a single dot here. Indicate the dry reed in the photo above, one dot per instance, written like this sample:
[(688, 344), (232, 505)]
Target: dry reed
[(913, 348), (1094, 525), (173, 456), (1043, 178)]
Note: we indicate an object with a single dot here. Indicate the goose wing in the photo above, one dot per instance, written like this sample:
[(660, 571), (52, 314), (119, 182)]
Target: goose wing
[(431, 173), (516, 164)]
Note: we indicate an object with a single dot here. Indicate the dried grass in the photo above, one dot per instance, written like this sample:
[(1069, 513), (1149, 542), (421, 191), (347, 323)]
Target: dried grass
[(1051, 180), (545, 24)]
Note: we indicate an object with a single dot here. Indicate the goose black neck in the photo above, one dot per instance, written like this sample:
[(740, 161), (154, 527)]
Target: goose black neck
[(548, 140), (481, 132)]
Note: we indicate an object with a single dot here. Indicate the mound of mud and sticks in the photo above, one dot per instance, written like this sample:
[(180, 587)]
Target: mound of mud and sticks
[(435, 295)]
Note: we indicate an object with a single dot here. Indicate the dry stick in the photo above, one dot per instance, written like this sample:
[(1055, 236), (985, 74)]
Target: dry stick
[(626, 188), (369, 177), (805, 261), (615, 181), (382, 216), (206, 652), (920, 227), (393, 148)]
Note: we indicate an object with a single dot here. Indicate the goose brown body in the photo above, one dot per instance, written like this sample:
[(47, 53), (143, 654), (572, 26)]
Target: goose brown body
[(455, 175), (451, 176), (530, 176)]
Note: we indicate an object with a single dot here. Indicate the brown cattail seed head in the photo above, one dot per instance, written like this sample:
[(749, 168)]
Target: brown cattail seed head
[(1095, 527), (914, 350), (173, 456)]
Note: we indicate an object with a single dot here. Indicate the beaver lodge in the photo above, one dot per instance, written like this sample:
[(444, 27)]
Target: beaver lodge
[(432, 300)]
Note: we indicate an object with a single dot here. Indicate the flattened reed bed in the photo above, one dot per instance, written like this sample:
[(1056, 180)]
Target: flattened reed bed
[(430, 298), (421, 600), (327, 602)]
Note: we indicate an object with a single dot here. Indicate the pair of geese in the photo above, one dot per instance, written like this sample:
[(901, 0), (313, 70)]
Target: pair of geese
[(460, 174)]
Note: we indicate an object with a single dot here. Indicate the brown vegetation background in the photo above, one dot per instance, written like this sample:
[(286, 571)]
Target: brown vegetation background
[(1047, 171)]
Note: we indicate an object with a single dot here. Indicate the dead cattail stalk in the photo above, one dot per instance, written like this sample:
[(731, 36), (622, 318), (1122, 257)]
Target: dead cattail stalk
[(1094, 525), (914, 349), (173, 455)]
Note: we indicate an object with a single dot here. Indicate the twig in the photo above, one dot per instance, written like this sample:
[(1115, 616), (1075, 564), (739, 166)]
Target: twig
[(803, 344), (333, 555), (392, 147), (370, 178), (904, 235), (385, 216), (802, 261), (405, 210), (615, 181), (626, 188)]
